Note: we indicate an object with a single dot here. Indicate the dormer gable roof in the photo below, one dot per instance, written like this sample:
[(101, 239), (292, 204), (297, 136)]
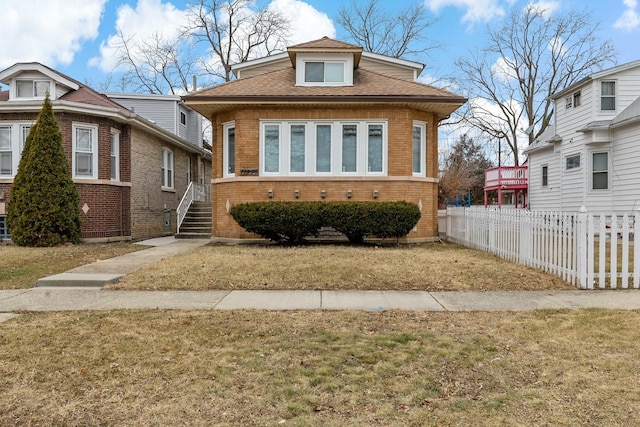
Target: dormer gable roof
[(325, 45), (8, 74)]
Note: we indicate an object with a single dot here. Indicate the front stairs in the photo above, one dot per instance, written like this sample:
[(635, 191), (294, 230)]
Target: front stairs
[(197, 222)]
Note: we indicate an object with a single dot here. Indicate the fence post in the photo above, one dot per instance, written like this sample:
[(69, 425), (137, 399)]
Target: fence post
[(581, 249)]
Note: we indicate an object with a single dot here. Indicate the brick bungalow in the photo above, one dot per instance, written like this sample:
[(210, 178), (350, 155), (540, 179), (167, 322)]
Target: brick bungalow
[(324, 121), (130, 172)]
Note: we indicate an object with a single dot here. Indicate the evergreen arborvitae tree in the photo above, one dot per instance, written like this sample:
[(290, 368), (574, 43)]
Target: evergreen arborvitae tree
[(43, 207)]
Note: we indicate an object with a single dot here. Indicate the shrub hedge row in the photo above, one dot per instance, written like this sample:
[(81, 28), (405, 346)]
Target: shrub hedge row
[(291, 222)]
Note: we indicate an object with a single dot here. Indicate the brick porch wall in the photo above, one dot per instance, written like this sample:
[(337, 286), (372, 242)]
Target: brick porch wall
[(398, 185)]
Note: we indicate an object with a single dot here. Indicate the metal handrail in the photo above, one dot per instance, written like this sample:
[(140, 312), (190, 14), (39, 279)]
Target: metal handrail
[(194, 193)]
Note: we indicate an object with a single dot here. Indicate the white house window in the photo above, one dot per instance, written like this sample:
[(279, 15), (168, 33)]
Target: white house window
[(229, 150), (327, 69), (419, 149), (12, 139), (202, 173), (32, 88), (572, 162), (272, 148), (375, 148), (600, 171), (608, 96), (6, 151), (577, 99), (115, 155), (297, 143), (568, 102), (323, 148), (167, 169), (85, 151), (183, 118), (188, 165), (324, 72), (349, 148), (545, 176)]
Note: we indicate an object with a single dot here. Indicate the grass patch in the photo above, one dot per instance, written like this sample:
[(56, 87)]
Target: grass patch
[(20, 267), (428, 267), (320, 368)]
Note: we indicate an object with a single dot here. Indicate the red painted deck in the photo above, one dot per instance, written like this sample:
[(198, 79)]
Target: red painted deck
[(506, 179)]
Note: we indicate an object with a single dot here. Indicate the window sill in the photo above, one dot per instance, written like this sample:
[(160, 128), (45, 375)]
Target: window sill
[(168, 190)]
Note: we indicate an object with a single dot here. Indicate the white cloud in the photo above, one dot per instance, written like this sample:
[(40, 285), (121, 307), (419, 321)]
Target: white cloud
[(149, 17), (476, 10), (630, 19), (50, 31), (306, 22)]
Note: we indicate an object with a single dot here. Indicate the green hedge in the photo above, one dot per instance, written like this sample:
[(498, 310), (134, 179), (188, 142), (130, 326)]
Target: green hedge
[(293, 221)]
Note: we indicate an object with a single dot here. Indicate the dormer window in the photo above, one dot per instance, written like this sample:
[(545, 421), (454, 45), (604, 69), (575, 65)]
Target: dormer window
[(325, 72), (32, 88), (324, 69)]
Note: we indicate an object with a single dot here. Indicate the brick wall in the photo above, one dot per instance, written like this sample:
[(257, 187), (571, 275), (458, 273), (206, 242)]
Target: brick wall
[(149, 202), (107, 204), (398, 185)]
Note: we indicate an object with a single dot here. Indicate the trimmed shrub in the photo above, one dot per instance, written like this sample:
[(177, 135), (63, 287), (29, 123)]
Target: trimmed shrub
[(293, 221), (279, 221), (380, 219), (43, 207)]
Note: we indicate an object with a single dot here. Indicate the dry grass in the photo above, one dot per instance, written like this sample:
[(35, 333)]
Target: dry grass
[(429, 267), (321, 368), (20, 267)]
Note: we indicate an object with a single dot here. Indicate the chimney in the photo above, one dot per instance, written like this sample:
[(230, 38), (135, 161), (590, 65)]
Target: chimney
[(195, 83)]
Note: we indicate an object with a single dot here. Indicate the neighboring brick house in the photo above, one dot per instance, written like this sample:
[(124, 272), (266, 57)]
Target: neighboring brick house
[(325, 121), (130, 172)]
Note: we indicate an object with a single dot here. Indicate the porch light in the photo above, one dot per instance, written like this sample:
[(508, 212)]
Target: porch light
[(375, 194), (323, 193), (297, 194), (270, 194), (349, 194)]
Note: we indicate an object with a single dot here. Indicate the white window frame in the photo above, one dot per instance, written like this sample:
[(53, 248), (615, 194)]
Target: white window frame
[(18, 139), (544, 168), (93, 151), (577, 99), (607, 171), (263, 157), (168, 175), (572, 168), (310, 144), (345, 59), (615, 91), (225, 149), (568, 102), (114, 155), (8, 151), (423, 149), (34, 82), (203, 171)]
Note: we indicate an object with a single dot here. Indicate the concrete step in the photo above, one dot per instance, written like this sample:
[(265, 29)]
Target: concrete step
[(79, 279), (193, 235)]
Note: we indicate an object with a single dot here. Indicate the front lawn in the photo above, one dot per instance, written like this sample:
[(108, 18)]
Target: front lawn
[(428, 267), (149, 368)]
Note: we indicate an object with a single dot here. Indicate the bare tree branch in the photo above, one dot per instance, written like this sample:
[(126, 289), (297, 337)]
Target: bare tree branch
[(527, 59), (379, 31), (233, 33)]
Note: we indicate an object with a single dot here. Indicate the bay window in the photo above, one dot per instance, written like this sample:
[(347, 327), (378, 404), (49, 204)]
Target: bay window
[(12, 139), (323, 148)]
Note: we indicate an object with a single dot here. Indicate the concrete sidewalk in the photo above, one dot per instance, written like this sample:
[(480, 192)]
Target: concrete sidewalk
[(110, 270), (80, 289), (76, 298)]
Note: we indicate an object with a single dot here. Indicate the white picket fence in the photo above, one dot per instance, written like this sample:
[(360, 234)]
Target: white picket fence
[(583, 249)]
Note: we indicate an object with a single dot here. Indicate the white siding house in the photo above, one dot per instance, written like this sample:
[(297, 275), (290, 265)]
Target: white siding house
[(590, 156), (166, 111)]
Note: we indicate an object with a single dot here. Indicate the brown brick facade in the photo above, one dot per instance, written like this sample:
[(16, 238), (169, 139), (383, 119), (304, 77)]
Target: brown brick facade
[(399, 184), (134, 207)]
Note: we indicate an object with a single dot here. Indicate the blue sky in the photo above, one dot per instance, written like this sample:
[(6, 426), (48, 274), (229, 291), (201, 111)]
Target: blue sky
[(73, 35)]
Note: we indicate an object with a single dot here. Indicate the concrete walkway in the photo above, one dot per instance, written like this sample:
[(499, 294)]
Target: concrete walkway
[(80, 289)]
